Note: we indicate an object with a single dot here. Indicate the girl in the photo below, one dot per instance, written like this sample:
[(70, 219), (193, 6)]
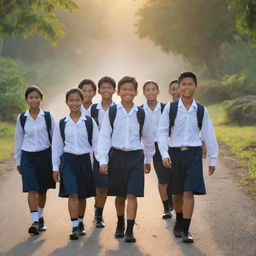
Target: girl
[(33, 155), (154, 109), (73, 141)]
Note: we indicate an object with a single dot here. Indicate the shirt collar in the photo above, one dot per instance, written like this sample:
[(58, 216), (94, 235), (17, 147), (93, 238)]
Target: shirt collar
[(180, 104), (41, 113), (81, 118), (157, 107), (134, 108), (99, 105)]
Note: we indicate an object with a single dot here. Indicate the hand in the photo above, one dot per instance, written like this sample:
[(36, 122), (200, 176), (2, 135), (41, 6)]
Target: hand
[(19, 169), (104, 169), (147, 168), (204, 151), (167, 163), (211, 170), (56, 176)]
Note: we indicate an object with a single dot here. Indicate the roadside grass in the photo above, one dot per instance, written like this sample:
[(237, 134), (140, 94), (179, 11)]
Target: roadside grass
[(241, 141), (7, 132)]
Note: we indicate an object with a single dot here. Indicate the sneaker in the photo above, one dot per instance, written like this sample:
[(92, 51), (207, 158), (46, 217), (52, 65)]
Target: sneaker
[(81, 229), (41, 225), (167, 214), (177, 230), (187, 238), (100, 222), (34, 229), (120, 230), (129, 238), (75, 234)]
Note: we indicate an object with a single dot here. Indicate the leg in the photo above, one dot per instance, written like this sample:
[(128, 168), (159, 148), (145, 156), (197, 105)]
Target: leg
[(178, 206), (131, 215), (120, 206), (41, 205), (81, 211), (33, 206), (101, 197), (162, 188), (73, 212)]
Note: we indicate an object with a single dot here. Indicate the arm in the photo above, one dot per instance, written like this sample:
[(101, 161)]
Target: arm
[(19, 137), (53, 122)]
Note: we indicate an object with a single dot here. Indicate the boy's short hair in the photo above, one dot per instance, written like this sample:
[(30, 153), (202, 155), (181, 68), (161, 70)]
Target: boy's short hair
[(33, 88), (75, 90), (173, 82), (87, 81), (187, 74), (150, 82), (128, 79), (107, 79)]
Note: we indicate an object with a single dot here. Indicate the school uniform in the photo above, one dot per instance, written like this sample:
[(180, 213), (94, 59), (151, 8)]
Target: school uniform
[(101, 180), (126, 158), (71, 156), (184, 147), (33, 152), (85, 111), (163, 174)]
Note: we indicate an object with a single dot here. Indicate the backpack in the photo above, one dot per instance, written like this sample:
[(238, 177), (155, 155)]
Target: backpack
[(173, 113), (162, 106), (48, 121), (88, 125), (140, 117), (95, 113)]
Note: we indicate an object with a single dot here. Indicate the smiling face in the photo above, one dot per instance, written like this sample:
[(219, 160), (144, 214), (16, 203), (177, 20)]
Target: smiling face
[(106, 91), (34, 99), (174, 91), (187, 87), (88, 93), (74, 102), (127, 92), (150, 92)]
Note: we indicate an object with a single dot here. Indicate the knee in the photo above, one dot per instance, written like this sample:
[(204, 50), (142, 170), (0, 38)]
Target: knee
[(131, 197), (101, 191), (120, 200), (73, 197), (32, 193), (188, 195)]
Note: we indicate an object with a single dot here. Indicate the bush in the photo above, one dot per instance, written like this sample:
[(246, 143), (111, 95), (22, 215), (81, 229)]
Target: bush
[(12, 86), (242, 110)]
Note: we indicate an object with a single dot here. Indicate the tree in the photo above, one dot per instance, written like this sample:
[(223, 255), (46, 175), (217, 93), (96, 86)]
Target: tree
[(195, 29), (245, 17), (22, 18)]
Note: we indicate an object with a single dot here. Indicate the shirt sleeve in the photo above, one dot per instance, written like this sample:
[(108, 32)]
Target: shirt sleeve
[(95, 136), (53, 122), (19, 137), (148, 140), (209, 138), (104, 142), (163, 132), (57, 148)]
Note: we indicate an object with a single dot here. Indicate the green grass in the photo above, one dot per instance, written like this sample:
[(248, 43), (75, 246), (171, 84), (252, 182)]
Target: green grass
[(6, 140), (240, 140)]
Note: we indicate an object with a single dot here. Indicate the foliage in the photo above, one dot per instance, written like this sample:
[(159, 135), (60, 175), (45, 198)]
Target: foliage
[(12, 85), (194, 29), (6, 140), (24, 18)]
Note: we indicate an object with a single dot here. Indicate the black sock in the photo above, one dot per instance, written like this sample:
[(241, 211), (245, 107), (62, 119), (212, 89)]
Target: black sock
[(120, 219), (166, 205), (179, 217), (186, 224), (170, 201), (130, 224), (99, 211)]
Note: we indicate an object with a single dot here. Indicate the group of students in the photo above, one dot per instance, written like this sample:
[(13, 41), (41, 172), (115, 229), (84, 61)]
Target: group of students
[(104, 149)]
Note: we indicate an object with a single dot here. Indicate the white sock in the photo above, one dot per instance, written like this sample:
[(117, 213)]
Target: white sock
[(34, 216), (80, 220), (74, 223), (40, 212)]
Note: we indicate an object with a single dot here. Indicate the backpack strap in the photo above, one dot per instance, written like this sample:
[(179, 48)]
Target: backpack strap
[(172, 114), (62, 124), (48, 121), (112, 115), (141, 118), (162, 107), (23, 119), (89, 128), (200, 115), (95, 113)]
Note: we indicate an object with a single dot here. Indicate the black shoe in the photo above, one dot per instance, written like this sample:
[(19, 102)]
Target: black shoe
[(100, 222), (177, 230), (34, 229), (41, 225), (119, 230), (129, 238), (75, 234), (187, 238), (81, 229), (167, 214)]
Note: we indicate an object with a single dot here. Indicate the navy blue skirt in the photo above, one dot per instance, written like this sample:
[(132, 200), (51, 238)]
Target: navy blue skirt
[(36, 168), (101, 180), (76, 176), (187, 171)]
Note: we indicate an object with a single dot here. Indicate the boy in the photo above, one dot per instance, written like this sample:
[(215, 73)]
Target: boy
[(89, 90), (106, 88), (123, 128), (174, 90), (185, 153)]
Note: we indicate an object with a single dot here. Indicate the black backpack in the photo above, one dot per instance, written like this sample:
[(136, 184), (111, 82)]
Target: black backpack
[(95, 113), (48, 121), (173, 113), (88, 125), (162, 106), (140, 117)]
